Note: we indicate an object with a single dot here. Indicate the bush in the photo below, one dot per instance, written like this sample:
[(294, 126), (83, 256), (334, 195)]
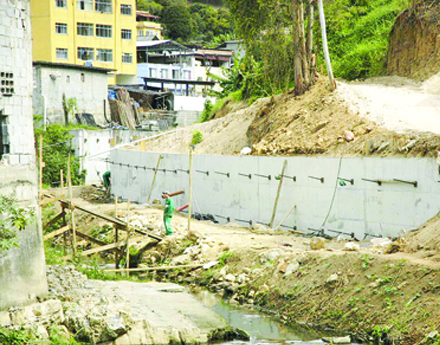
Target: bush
[(196, 138), (56, 148), (207, 111)]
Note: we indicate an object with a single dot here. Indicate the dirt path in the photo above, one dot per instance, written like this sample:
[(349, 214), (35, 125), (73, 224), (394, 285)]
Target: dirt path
[(396, 103)]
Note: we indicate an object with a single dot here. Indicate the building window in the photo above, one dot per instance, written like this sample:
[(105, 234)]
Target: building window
[(62, 54), (152, 72), (140, 32), (4, 136), (85, 53), (61, 28), (103, 31), (84, 29), (126, 34), (175, 74), (105, 55), (104, 6), (150, 33), (127, 58), (84, 5), (164, 73), (61, 3), (126, 9)]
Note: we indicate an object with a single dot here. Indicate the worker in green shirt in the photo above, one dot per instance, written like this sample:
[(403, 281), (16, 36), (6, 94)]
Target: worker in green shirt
[(168, 212)]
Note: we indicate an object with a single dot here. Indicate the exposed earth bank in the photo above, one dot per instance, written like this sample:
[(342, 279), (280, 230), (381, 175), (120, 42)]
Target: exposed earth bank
[(387, 116), (356, 288)]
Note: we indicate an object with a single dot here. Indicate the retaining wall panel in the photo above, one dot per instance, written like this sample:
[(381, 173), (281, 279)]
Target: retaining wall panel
[(364, 207)]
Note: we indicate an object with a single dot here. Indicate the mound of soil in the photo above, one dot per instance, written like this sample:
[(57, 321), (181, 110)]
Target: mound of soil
[(318, 122), (426, 241)]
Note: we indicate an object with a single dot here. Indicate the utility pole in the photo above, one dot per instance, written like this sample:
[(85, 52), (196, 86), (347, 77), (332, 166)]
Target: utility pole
[(325, 46)]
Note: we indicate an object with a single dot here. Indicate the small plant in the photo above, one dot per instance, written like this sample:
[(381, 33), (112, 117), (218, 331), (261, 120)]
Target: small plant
[(13, 218), (207, 111), (14, 337), (366, 261), (226, 257), (197, 138)]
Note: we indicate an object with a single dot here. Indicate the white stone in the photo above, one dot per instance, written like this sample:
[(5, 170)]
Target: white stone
[(380, 242), (352, 247), (333, 278), (230, 277), (291, 267)]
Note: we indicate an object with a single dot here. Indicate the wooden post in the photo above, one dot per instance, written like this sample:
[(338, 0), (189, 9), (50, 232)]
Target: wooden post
[(62, 179), (62, 182), (191, 150), (325, 45), (40, 158), (65, 234), (284, 218), (117, 258), (128, 237), (72, 214), (274, 212), (154, 178)]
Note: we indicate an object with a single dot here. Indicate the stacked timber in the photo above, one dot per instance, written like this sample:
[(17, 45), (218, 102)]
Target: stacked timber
[(122, 110)]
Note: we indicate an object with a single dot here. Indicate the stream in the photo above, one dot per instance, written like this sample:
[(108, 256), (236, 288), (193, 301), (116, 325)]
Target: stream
[(262, 329)]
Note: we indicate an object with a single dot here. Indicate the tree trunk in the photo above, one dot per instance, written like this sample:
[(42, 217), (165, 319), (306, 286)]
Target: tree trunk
[(302, 80), (309, 39), (325, 45)]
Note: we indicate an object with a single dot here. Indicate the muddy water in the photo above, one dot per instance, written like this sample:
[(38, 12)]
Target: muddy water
[(262, 329)]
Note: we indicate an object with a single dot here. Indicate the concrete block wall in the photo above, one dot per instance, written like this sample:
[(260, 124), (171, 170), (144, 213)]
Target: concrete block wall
[(362, 208), (22, 270), (87, 86)]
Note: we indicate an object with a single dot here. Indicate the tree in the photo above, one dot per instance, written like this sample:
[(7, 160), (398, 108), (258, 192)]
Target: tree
[(177, 21), (149, 6), (274, 35)]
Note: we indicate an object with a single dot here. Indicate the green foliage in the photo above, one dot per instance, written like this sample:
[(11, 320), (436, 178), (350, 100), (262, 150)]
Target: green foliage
[(13, 218), (269, 61), (358, 35), (366, 261), (15, 337), (58, 336), (227, 257), (56, 148), (177, 22), (54, 255), (207, 111), (198, 22), (197, 138)]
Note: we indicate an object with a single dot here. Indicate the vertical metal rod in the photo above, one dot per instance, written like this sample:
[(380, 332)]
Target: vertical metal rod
[(191, 149)]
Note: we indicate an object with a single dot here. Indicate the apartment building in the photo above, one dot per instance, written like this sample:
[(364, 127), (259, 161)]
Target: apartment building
[(94, 33), (148, 27)]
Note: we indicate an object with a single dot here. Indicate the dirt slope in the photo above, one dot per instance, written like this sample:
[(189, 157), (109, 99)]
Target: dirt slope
[(318, 122)]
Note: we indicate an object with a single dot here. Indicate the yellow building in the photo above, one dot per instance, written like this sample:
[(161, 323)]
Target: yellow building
[(98, 33), (146, 26)]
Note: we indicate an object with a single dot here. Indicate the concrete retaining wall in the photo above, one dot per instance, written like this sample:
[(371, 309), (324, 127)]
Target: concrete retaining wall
[(23, 269), (363, 208)]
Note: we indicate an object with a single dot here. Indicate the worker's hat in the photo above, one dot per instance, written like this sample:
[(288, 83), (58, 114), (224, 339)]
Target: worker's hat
[(165, 193)]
